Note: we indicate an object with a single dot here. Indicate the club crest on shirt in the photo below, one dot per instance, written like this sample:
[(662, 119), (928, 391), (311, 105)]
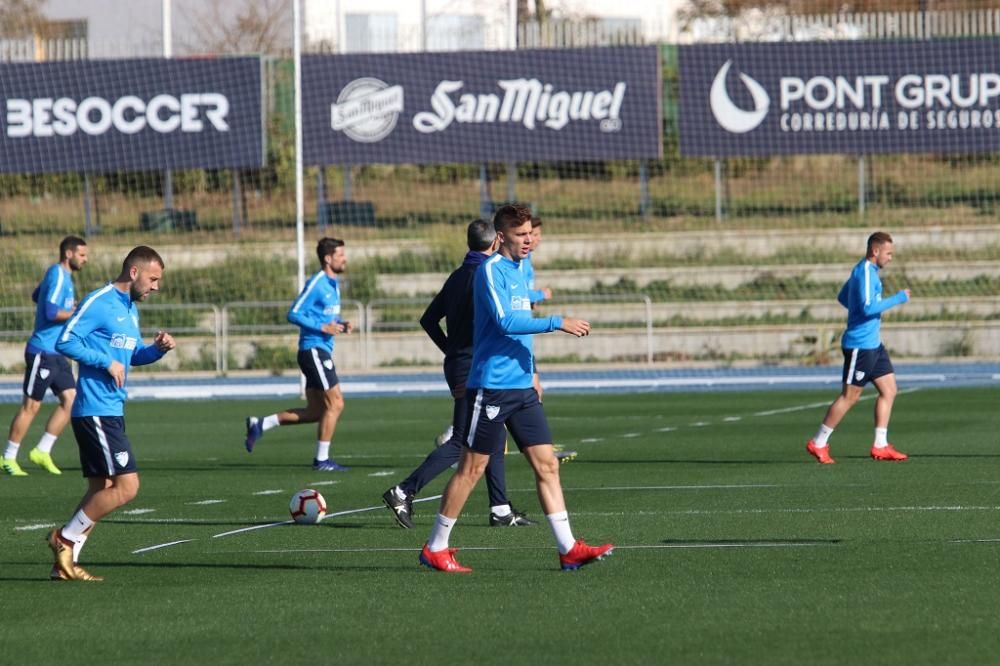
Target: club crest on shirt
[(492, 411), (859, 375), (121, 457), (520, 303), (122, 341)]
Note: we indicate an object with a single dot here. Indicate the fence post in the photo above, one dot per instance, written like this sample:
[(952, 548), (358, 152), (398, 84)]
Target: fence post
[(643, 189), (861, 185), (718, 190)]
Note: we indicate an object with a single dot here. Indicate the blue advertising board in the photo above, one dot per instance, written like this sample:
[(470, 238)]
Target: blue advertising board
[(859, 97), (500, 106), (130, 115)]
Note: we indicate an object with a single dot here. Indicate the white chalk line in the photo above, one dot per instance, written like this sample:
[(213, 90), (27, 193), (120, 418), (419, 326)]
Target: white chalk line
[(654, 546), (264, 526)]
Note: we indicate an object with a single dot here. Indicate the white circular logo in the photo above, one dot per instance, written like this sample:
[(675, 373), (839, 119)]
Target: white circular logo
[(730, 116), (367, 109)]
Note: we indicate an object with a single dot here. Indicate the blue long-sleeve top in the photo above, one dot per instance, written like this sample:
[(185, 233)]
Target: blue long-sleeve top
[(317, 305), (53, 293), (862, 296), (503, 356), (103, 329)]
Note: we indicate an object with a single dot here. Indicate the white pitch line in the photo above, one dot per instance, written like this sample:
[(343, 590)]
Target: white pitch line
[(269, 492), (161, 545), (35, 526), (969, 541), (138, 512), (655, 546), (206, 502), (322, 483)]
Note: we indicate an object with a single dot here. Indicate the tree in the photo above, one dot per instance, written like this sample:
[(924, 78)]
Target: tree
[(242, 26), (21, 18)]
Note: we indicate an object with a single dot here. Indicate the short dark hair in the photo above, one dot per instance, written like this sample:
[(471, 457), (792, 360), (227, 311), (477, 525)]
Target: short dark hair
[(877, 238), (69, 244), (511, 215), (143, 254), (480, 235), (535, 222), (327, 246)]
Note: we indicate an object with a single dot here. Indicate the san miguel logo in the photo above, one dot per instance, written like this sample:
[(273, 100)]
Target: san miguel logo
[(367, 109)]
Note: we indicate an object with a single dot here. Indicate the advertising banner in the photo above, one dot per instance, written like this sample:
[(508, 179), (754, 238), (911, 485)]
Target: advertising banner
[(130, 115), (496, 106), (863, 97)]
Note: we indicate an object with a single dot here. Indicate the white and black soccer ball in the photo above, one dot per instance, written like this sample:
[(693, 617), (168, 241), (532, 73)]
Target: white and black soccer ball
[(307, 507)]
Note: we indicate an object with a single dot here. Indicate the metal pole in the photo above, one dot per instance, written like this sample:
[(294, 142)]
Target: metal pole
[(88, 224), (300, 233), (643, 189), (168, 52), (718, 190), (511, 180), (512, 24), (423, 25), (485, 200), (348, 183), (861, 186), (237, 201), (320, 196)]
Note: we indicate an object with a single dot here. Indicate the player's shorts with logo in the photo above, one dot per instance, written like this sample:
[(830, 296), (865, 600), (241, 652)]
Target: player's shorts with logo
[(864, 365), (495, 411), (317, 366), (46, 371), (104, 446)]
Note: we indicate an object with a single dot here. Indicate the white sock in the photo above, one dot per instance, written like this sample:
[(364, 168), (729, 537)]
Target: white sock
[(881, 438), (75, 529), (559, 522), (269, 422), (78, 546), (822, 435), (440, 533), (11, 452), (322, 451), (501, 510), (46, 443)]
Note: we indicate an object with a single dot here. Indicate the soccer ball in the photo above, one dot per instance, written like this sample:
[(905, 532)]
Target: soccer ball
[(307, 507)]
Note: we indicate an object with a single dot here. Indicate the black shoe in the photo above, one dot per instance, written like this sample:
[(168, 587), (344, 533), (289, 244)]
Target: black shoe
[(401, 506), (513, 519)]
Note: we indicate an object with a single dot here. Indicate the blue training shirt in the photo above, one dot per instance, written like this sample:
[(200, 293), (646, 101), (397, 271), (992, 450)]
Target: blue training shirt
[(316, 306), (502, 356), (537, 295), (54, 293), (103, 329), (862, 296)]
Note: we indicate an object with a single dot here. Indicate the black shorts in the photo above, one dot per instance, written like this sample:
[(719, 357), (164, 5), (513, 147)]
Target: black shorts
[(517, 409), (104, 446), (46, 371), (864, 365), (317, 366)]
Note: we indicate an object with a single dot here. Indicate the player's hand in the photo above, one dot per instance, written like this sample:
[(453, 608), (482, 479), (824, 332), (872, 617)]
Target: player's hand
[(907, 292), (536, 381), (348, 327), (117, 372), (164, 341), (333, 328), (577, 327), (547, 293)]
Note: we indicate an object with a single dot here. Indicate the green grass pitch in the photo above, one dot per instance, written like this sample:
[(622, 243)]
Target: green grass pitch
[(733, 546)]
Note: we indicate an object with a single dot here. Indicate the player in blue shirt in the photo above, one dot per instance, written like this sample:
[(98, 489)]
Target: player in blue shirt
[(103, 337), (865, 357), (44, 369), (505, 397), (317, 314)]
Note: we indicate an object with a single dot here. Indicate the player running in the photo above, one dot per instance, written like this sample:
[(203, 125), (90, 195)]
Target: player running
[(501, 380), (317, 314), (865, 357), (103, 337), (44, 369)]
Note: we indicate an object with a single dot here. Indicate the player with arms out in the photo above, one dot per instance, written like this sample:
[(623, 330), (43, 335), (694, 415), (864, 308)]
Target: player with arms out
[(504, 397), (317, 314), (103, 337), (44, 368), (865, 357)]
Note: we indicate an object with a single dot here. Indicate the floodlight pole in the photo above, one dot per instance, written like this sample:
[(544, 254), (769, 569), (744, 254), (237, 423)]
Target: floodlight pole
[(168, 52), (300, 233)]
